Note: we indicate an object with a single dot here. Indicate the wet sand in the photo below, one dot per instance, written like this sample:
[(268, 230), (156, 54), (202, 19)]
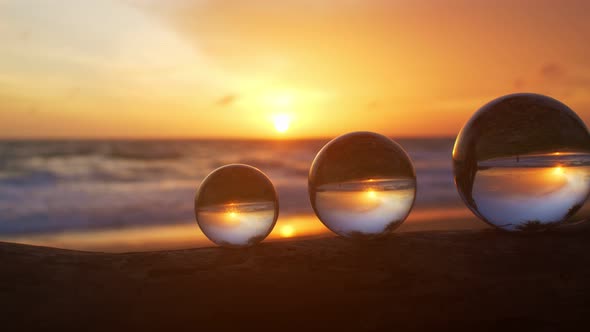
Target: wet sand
[(468, 280), (174, 236)]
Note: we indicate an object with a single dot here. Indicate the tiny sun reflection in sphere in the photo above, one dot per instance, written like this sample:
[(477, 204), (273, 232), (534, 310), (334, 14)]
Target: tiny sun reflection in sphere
[(522, 163), (362, 184), (236, 206)]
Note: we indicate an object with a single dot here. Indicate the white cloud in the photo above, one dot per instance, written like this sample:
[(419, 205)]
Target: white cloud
[(99, 44)]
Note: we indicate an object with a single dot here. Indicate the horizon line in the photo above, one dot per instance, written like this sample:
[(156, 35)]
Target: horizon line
[(202, 138)]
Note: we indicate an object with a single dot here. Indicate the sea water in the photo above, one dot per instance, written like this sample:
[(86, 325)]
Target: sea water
[(130, 195)]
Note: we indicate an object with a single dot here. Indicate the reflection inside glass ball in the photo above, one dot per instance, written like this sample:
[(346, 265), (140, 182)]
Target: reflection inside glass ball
[(522, 163), (236, 206), (362, 185)]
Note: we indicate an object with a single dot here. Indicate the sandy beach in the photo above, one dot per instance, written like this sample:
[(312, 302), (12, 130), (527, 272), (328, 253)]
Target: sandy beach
[(464, 280)]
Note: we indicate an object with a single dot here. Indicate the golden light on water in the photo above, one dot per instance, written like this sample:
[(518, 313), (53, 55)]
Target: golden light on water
[(287, 231), (167, 237)]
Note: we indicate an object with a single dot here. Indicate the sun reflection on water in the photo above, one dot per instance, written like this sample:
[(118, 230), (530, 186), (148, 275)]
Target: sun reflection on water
[(287, 231)]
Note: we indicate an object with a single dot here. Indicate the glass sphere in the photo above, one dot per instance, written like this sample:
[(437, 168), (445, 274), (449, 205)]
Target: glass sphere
[(522, 162), (362, 184), (236, 206)]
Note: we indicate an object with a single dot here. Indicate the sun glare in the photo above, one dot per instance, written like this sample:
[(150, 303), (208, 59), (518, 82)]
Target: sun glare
[(371, 194), (287, 231), (283, 100), (558, 170), (282, 122), (231, 217)]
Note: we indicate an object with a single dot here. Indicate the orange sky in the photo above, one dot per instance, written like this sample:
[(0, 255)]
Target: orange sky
[(106, 68)]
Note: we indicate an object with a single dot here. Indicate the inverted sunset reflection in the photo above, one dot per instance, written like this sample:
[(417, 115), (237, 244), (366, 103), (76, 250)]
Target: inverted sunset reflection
[(366, 206), (370, 193), (558, 171), (236, 222), (515, 194), (232, 215)]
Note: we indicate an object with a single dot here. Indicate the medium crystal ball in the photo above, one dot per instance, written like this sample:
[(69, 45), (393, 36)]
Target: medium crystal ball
[(362, 185)]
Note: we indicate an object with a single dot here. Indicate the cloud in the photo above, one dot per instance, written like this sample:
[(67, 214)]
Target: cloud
[(226, 100), (519, 84), (563, 77), (552, 71), (567, 82)]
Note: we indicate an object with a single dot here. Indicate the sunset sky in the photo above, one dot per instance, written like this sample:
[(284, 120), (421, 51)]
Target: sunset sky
[(295, 68)]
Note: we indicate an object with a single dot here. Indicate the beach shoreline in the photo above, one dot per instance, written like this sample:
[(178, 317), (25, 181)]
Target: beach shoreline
[(186, 234)]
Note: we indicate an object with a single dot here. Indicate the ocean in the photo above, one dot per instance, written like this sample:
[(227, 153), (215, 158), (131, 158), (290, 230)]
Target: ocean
[(138, 195)]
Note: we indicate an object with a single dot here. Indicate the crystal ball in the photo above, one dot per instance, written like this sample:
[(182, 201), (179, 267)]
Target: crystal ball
[(522, 163), (236, 206), (362, 185)]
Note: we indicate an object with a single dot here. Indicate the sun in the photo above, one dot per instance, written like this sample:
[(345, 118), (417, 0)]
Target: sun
[(287, 231), (558, 170), (282, 122)]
